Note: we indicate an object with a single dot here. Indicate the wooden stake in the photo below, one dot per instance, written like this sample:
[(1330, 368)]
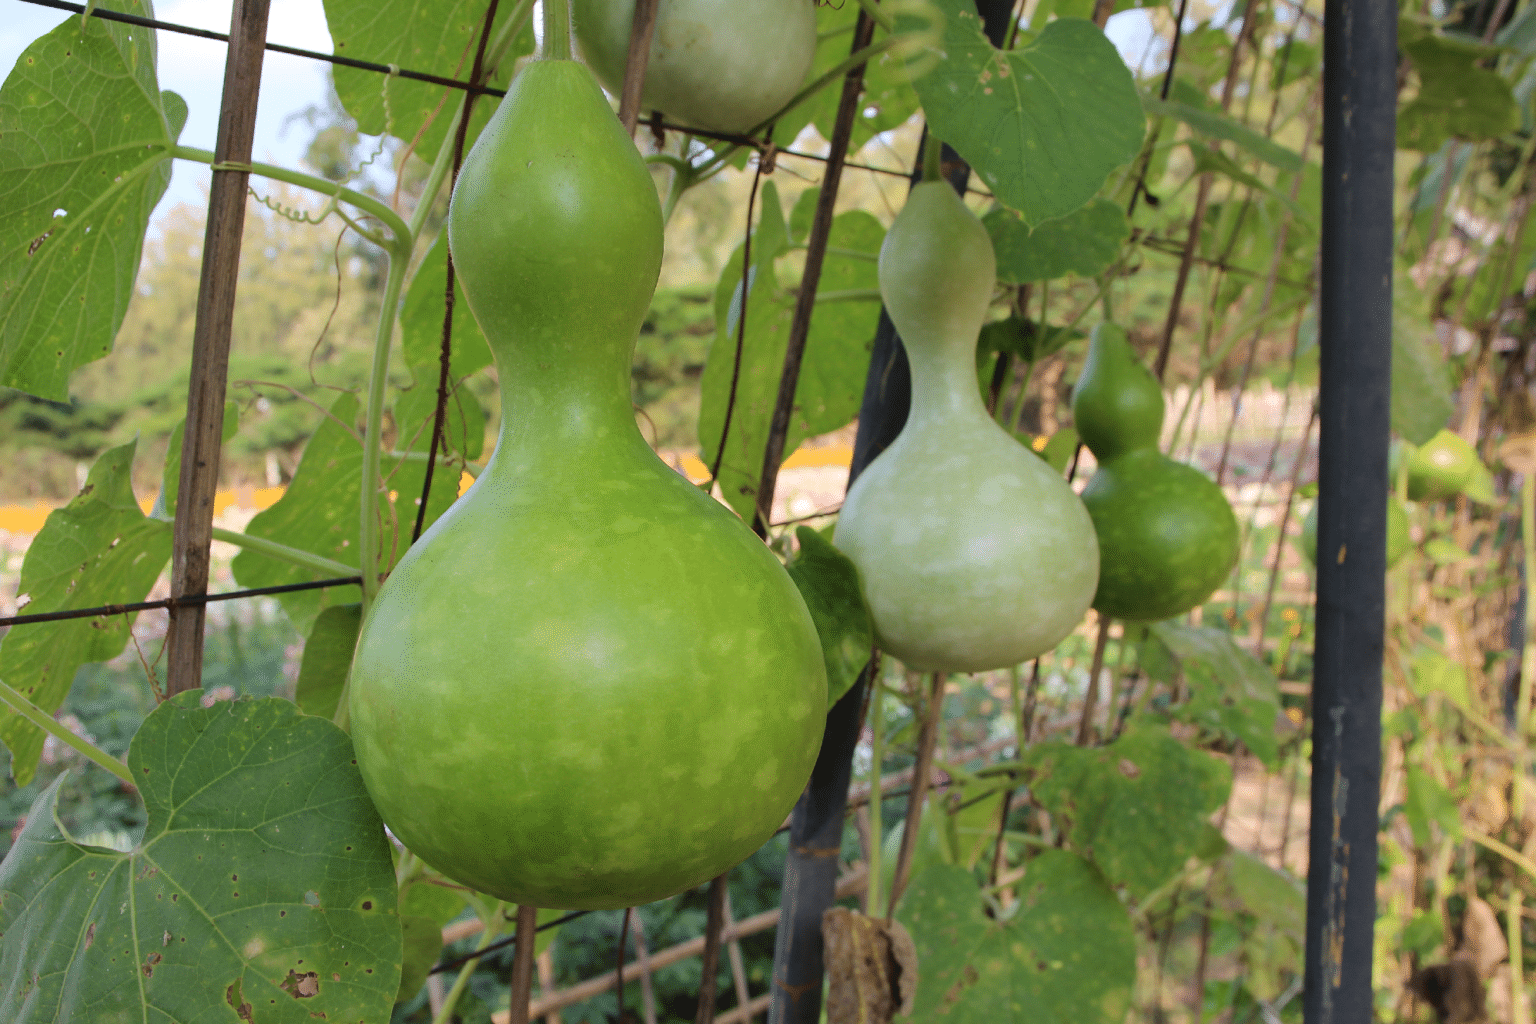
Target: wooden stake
[(522, 963), (210, 344), (713, 930), (640, 33), (927, 739)]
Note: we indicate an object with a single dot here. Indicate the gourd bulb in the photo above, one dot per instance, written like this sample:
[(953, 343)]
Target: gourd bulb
[(724, 65)]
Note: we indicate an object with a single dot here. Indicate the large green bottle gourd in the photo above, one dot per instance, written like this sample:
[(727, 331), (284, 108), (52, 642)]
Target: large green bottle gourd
[(589, 685), (973, 553), (1166, 533)]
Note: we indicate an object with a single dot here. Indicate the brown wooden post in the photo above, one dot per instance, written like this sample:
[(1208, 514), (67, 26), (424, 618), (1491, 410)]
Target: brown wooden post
[(210, 344)]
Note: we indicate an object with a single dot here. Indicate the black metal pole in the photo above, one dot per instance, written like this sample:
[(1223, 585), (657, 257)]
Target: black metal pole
[(816, 827), (1355, 322)]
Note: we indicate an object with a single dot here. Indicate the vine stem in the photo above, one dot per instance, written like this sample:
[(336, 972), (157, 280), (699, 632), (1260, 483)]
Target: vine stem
[(1527, 648), (46, 722), (451, 1000), (557, 30), (1091, 698), (876, 819), (324, 186), (295, 556), (926, 740)]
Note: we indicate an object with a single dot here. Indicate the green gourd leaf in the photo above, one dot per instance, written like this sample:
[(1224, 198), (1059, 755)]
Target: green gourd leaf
[(1084, 243), (1024, 338), (437, 38), (262, 890), (1456, 99), (1213, 124), (836, 353), (1067, 956), (1421, 387), (99, 549), (1233, 694), (422, 942), (421, 322), (1429, 803), (830, 585), (319, 512), (327, 659), (1136, 807), (1042, 125), (463, 423), (85, 134)]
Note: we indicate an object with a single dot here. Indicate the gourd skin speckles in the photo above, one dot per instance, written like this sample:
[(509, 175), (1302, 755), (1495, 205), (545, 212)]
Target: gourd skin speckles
[(725, 65), (1167, 535), (588, 686), (972, 552)]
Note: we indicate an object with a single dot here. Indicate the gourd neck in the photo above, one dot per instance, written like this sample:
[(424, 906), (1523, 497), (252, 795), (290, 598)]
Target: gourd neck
[(565, 396), (944, 383)]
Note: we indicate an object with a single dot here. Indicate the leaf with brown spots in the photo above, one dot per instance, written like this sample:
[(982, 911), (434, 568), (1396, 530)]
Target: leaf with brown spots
[(1067, 956), (306, 857)]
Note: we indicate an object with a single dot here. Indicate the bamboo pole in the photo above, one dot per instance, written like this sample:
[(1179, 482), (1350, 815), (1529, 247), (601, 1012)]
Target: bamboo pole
[(210, 345)]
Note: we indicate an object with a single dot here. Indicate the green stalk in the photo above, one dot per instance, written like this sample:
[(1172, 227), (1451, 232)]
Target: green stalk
[(366, 203), (1516, 956), (850, 295), (292, 555), (878, 15), (557, 30), (44, 721), (876, 825), (933, 158), (492, 929), (1527, 648), (378, 380)]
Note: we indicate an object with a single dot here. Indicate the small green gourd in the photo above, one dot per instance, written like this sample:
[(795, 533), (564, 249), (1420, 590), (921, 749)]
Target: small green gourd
[(1167, 535), (1441, 467), (588, 685), (973, 553)]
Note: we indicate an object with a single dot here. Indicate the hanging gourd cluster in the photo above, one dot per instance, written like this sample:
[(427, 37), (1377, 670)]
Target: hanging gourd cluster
[(590, 685)]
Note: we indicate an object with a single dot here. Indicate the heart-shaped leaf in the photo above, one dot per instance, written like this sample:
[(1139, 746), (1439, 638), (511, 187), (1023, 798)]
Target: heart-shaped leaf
[(262, 890), (1043, 125)]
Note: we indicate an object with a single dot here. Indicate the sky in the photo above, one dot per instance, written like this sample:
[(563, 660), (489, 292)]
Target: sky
[(194, 68)]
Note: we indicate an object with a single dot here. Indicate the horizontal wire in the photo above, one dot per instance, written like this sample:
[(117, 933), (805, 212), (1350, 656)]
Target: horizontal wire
[(510, 940), (186, 600), (223, 37)]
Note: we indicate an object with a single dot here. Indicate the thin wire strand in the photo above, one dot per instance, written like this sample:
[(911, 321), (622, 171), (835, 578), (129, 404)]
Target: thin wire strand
[(174, 602)]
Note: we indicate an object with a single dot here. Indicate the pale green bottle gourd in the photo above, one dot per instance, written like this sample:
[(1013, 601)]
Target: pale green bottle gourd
[(588, 685), (973, 553), (726, 65)]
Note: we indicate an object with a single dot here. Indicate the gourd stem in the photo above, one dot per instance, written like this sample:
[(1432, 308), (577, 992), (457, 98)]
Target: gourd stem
[(46, 722), (557, 30), (378, 380), (292, 555), (876, 820), (933, 158), (451, 1000)]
